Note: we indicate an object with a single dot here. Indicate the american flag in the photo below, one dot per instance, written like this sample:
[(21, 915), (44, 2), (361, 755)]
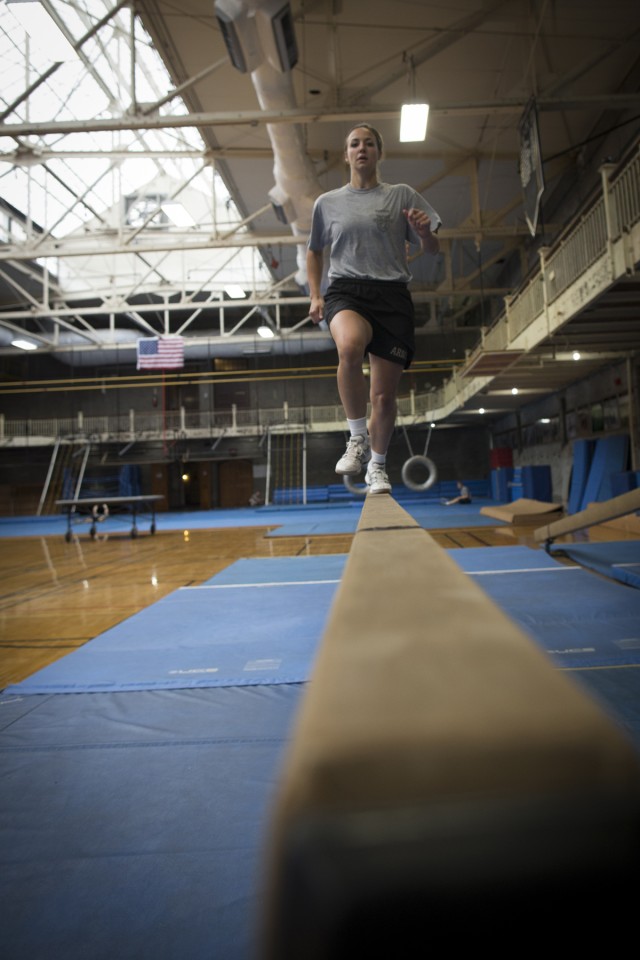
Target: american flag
[(160, 353)]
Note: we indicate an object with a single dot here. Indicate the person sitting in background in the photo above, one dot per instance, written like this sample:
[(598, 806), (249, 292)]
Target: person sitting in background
[(463, 495)]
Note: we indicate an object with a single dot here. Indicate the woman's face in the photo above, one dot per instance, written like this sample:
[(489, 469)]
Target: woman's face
[(362, 150)]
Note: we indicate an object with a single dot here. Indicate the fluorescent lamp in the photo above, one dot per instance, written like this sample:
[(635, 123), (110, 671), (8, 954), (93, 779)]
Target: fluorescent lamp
[(266, 332), (24, 344), (42, 29), (413, 121), (235, 291)]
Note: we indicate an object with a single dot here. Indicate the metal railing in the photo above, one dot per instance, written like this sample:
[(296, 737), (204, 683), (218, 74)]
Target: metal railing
[(589, 240)]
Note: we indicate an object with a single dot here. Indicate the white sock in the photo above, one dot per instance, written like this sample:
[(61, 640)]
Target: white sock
[(358, 428), (380, 458)]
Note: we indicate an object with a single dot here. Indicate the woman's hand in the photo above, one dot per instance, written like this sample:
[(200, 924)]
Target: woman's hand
[(420, 222), (316, 311), (314, 277)]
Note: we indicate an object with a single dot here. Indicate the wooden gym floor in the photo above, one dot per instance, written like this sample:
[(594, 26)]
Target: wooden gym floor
[(56, 595)]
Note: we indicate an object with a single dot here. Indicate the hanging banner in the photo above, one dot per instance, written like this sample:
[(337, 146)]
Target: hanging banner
[(531, 173)]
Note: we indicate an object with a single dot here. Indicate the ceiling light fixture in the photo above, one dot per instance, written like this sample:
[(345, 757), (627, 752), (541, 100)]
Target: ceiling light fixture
[(24, 344), (576, 355), (514, 391), (413, 122), (268, 329), (413, 115), (235, 291), (42, 29)]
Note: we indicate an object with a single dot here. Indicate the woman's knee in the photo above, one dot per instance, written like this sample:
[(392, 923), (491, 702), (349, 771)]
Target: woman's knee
[(351, 353), (351, 334)]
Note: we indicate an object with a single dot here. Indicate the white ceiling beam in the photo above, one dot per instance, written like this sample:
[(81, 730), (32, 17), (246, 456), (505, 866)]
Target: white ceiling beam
[(231, 118), (87, 246), (136, 311)]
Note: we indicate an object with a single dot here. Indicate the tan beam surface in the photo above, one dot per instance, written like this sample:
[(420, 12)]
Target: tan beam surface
[(424, 697), (594, 514)]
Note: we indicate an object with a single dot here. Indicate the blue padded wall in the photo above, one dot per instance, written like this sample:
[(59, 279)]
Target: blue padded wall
[(536, 483), (500, 481), (623, 482), (582, 456), (609, 458)]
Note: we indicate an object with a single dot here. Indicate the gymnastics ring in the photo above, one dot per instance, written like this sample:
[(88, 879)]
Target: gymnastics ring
[(358, 491), (425, 462), (100, 512)]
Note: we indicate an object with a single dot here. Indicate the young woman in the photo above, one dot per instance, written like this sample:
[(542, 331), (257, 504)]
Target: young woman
[(367, 224)]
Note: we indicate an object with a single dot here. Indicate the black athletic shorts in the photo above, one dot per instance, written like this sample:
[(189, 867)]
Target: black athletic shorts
[(386, 305)]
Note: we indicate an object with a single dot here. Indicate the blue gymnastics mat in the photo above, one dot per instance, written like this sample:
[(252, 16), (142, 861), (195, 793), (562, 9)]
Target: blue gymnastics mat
[(430, 516), (579, 619), (290, 521), (139, 818), (205, 636), (120, 525), (322, 568), (132, 825), (260, 621), (619, 559)]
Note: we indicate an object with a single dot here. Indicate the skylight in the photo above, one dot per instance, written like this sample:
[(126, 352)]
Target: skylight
[(93, 189)]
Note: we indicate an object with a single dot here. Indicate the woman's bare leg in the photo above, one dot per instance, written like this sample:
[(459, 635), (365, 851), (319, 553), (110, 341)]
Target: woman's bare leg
[(385, 380), (351, 334)]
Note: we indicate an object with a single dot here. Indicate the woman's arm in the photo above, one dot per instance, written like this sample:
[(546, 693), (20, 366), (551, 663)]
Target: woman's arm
[(420, 223), (314, 277)]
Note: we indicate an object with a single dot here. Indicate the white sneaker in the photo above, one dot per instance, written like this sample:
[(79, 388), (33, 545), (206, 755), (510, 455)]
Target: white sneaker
[(356, 455), (376, 479)]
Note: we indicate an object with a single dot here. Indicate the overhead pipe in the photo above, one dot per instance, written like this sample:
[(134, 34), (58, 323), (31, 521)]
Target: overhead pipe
[(260, 40), (119, 346)]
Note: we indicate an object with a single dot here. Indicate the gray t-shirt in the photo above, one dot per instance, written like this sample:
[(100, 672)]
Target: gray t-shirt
[(367, 230)]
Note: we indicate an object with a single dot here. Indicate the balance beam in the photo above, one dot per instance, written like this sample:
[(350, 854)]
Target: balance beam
[(442, 774), (595, 513)]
